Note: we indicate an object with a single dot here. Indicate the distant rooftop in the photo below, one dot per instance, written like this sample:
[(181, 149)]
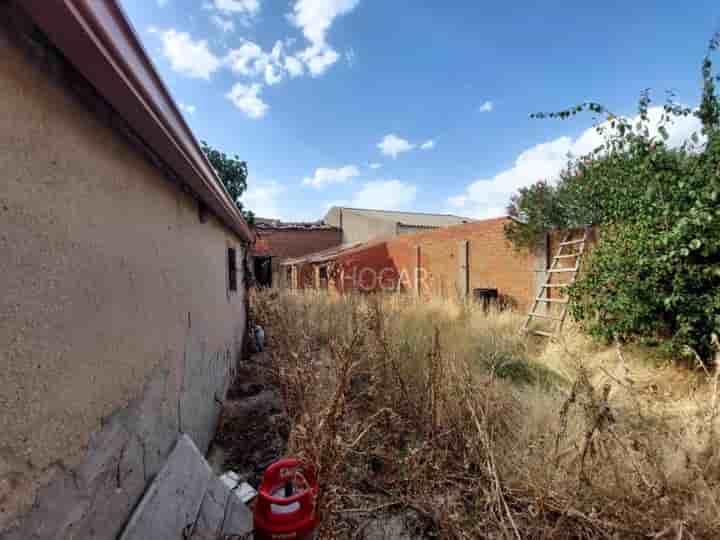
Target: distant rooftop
[(410, 219), (267, 223)]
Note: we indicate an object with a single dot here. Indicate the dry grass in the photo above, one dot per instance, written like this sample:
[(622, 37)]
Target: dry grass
[(442, 409)]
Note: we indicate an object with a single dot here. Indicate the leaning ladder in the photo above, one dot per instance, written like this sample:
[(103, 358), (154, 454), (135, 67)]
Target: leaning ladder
[(570, 249)]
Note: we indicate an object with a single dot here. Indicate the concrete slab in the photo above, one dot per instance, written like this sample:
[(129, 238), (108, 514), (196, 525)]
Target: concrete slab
[(208, 525), (238, 519), (169, 508), (222, 514)]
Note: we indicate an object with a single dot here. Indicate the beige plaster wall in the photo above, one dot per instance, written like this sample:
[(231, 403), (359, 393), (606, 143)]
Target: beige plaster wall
[(109, 284), (357, 227)]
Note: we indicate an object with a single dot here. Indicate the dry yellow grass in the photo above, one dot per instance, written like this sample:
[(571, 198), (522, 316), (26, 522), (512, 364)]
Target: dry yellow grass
[(446, 410)]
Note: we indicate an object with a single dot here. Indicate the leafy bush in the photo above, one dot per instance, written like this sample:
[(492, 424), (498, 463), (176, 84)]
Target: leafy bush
[(655, 272), (233, 173)]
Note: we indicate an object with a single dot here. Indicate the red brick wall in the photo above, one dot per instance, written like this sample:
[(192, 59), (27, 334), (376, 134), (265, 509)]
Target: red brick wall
[(291, 243), (492, 261)]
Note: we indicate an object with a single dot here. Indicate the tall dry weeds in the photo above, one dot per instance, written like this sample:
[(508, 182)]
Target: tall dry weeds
[(443, 410)]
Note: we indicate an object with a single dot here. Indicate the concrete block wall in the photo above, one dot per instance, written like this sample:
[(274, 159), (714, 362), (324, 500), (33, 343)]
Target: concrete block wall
[(118, 329)]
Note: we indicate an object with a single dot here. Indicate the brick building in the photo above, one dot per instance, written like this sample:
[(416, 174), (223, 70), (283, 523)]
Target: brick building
[(364, 225), (455, 260), (278, 241)]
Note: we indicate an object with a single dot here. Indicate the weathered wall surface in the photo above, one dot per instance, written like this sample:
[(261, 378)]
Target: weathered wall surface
[(491, 262), (357, 227), (117, 329), (286, 243)]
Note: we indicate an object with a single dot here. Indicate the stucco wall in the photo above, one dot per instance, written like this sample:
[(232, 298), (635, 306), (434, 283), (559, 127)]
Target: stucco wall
[(359, 228), (117, 329)]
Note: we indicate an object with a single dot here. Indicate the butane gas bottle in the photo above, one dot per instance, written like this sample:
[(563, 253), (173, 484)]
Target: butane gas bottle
[(285, 505)]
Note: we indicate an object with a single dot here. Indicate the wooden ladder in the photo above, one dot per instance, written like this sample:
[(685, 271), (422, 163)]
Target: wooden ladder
[(570, 249)]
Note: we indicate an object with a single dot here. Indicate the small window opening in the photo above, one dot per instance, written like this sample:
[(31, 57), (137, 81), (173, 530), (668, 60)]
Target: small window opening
[(202, 212), (263, 271), (232, 270)]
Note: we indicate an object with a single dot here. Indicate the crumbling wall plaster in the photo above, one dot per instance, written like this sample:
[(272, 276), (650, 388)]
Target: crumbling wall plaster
[(117, 329)]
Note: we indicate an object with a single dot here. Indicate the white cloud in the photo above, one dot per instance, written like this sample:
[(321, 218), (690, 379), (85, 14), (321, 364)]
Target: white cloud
[(488, 106), (270, 199), (242, 7), (187, 56), (341, 203), (385, 195), (247, 99), (226, 25), (248, 60), (277, 52), (314, 18), (428, 145), (318, 58), (375, 165), (273, 75), (324, 177), (488, 197), (190, 109), (264, 198), (392, 145), (294, 67)]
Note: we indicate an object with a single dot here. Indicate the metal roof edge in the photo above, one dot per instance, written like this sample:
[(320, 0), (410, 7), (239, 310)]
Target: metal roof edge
[(97, 38)]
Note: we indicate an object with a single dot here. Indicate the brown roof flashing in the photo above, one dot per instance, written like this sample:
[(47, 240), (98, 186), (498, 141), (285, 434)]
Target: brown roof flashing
[(96, 37)]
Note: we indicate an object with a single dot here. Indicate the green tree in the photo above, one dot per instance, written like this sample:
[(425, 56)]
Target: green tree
[(233, 172), (655, 273)]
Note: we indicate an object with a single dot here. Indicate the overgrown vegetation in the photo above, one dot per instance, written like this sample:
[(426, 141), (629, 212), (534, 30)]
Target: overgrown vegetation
[(428, 410), (233, 172), (655, 273)]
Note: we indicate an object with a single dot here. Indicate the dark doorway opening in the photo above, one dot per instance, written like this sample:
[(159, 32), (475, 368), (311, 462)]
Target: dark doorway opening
[(263, 271)]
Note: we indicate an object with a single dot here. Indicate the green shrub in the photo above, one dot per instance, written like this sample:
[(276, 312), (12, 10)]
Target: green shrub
[(655, 273)]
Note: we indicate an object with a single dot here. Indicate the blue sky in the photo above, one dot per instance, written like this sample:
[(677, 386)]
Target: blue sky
[(412, 104)]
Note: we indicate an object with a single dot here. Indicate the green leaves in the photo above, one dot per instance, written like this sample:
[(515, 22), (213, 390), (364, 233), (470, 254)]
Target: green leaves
[(655, 273), (233, 173)]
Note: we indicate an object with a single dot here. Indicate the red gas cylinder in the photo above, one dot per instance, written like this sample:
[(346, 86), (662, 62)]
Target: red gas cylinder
[(285, 505)]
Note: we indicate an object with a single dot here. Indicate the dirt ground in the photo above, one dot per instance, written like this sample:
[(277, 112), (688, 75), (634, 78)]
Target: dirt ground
[(253, 429)]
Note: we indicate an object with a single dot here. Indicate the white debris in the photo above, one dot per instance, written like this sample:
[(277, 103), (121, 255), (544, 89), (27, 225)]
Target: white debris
[(241, 489)]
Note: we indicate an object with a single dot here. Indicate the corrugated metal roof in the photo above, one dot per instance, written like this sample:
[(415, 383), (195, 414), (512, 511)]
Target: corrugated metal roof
[(330, 254)]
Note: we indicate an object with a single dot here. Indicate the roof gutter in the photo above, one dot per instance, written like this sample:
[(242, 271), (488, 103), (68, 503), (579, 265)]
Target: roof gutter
[(97, 38)]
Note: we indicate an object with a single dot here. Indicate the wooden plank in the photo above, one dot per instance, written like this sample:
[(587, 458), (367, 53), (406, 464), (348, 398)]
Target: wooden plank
[(556, 269), (549, 317), (573, 242)]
